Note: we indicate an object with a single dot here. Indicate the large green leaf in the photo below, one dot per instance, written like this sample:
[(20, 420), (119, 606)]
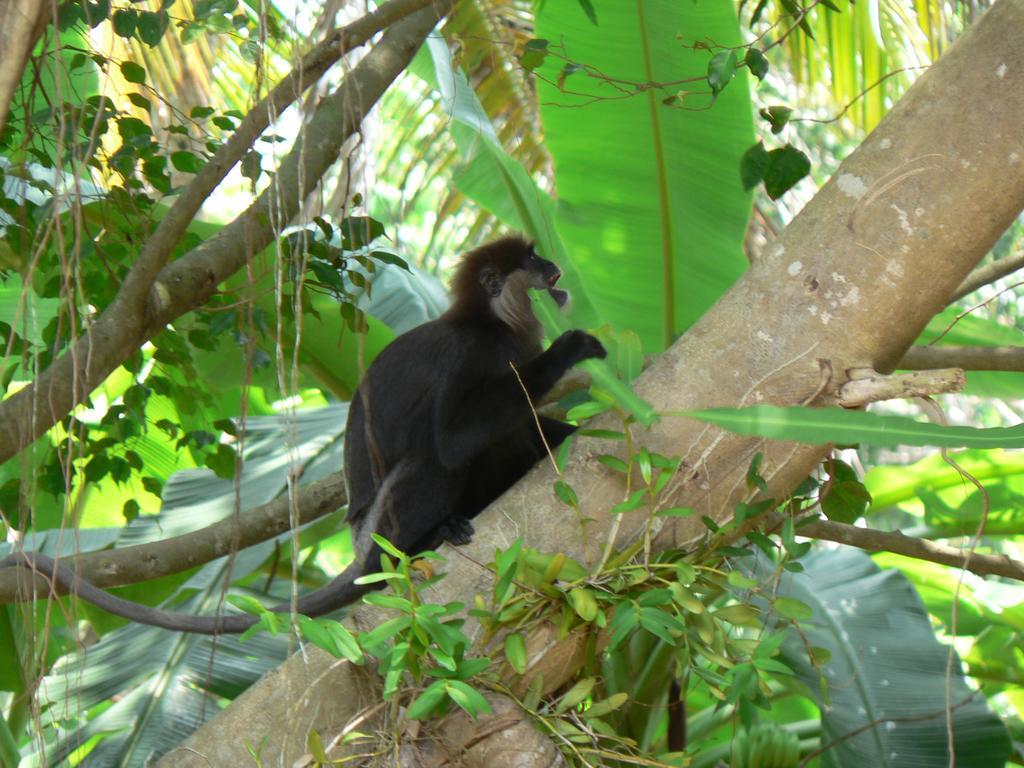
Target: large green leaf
[(25, 312), (164, 686), (893, 485), (835, 425), (935, 491), (404, 298), (887, 686), (649, 196), (489, 176), (500, 184), (947, 327)]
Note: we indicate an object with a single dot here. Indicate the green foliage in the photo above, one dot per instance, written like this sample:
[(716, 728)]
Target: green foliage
[(588, 9), (786, 166), (340, 262), (721, 70), (837, 425), (421, 642), (534, 53), (678, 613), (780, 169), (856, 57), (843, 498), (756, 62), (646, 140), (161, 677), (644, 262), (932, 495)]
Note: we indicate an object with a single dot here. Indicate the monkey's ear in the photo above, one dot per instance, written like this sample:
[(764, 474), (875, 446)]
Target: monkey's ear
[(491, 280)]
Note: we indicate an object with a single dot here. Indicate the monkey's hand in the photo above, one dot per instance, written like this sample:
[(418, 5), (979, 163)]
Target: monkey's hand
[(455, 530), (579, 346)]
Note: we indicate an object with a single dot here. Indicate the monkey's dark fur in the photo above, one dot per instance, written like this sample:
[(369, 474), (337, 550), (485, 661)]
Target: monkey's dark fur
[(439, 428)]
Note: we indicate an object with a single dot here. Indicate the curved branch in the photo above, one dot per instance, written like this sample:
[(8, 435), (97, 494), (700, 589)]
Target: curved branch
[(920, 549), (151, 297), (989, 274), (968, 358), (130, 565)]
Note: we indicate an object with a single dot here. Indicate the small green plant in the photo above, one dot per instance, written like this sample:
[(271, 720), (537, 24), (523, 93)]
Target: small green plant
[(423, 642)]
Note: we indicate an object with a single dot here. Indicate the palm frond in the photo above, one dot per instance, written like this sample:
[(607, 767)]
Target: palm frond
[(861, 58)]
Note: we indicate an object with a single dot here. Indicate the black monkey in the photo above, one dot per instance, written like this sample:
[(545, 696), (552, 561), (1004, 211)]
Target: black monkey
[(439, 428), (441, 425)]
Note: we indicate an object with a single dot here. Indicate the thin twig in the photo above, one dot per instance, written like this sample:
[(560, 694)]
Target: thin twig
[(989, 273), (921, 358), (536, 418), (936, 414), (920, 549), (855, 99), (971, 310)]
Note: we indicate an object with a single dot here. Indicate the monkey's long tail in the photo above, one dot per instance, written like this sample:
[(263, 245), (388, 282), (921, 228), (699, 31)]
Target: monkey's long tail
[(341, 591)]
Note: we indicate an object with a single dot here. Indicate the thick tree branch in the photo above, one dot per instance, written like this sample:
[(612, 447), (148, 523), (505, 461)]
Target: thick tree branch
[(982, 276), (920, 549), (922, 358), (904, 220), (130, 565), (151, 297)]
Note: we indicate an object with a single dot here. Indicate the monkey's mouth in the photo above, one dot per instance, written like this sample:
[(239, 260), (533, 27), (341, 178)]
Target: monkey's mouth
[(560, 296)]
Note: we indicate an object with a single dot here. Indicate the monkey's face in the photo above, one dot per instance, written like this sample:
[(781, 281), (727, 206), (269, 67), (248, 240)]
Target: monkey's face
[(512, 270), (543, 275)]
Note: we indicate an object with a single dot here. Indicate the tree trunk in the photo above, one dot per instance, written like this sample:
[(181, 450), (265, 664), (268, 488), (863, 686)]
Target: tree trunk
[(849, 284), (21, 23)]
